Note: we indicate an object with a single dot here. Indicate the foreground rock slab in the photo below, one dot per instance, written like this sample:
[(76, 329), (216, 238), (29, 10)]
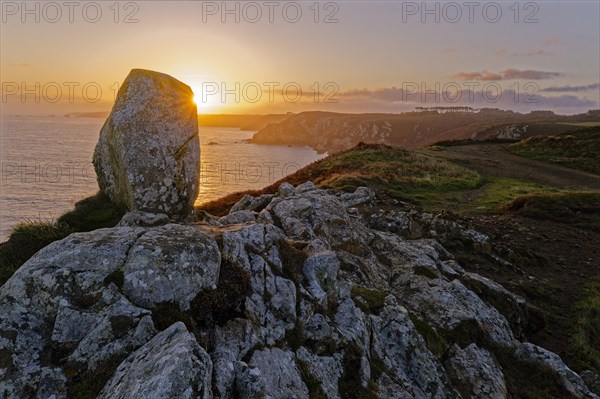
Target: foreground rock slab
[(148, 155), (171, 365), (291, 295)]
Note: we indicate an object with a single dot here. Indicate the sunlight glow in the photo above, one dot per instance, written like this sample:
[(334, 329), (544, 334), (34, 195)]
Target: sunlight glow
[(211, 104)]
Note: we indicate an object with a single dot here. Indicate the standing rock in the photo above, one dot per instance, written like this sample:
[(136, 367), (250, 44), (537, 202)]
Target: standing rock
[(148, 155)]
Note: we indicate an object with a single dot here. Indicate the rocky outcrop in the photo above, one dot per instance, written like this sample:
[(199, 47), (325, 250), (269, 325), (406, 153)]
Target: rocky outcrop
[(326, 131), (293, 295), (280, 373), (171, 365), (476, 373), (544, 359), (332, 132), (148, 155), (171, 263)]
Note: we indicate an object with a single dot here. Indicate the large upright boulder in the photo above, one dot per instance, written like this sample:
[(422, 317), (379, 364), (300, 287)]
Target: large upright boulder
[(148, 155)]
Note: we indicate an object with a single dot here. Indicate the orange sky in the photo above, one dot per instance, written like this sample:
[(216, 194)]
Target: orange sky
[(357, 54)]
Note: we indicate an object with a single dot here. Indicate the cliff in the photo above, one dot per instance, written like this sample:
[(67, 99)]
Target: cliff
[(332, 132)]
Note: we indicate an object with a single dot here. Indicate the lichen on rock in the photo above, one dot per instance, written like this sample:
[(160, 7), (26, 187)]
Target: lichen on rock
[(148, 155)]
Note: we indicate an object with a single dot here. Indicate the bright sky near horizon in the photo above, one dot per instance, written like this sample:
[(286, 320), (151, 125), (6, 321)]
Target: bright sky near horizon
[(347, 56)]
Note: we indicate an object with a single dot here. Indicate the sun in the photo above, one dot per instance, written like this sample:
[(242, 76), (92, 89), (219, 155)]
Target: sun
[(207, 105)]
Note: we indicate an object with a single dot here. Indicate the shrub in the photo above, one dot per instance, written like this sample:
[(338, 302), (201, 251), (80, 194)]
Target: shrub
[(222, 304), (26, 239), (30, 236)]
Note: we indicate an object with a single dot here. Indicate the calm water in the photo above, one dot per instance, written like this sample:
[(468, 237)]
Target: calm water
[(46, 165)]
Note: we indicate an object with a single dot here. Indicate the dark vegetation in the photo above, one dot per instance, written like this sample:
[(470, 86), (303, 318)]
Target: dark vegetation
[(92, 213), (210, 306), (580, 209), (26, 239), (547, 232), (369, 300), (349, 384), (460, 142), (585, 333), (223, 303), (523, 379), (30, 236), (550, 241), (292, 261), (578, 149), (85, 384)]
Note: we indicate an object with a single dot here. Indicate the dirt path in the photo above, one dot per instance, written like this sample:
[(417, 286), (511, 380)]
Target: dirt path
[(494, 160)]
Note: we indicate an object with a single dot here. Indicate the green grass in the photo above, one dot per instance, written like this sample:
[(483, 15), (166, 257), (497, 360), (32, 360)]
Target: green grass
[(401, 172), (92, 213), (371, 300), (29, 236), (577, 208), (499, 190), (489, 196), (585, 338), (416, 177), (578, 149), (25, 240)]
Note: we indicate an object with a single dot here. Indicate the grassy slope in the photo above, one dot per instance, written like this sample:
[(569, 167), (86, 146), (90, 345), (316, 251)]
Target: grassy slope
[(30, 236), (421, 178), (576, 208), (416, 177), (578, 149)]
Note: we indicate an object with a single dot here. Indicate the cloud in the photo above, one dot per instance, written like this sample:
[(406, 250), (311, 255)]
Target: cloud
[(502, 52), (389, 97), (572, 89), (386, 94), (535, 53), (551, 41), (395, 99), (508, 74), (530, 74), (483, 75), (451, 50)]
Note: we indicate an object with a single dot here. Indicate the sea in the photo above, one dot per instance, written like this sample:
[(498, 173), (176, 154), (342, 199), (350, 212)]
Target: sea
[(47, 165)]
